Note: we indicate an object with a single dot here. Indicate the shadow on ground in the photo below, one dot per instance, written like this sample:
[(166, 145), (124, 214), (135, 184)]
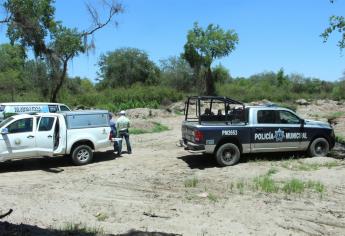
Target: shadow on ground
[(49, 164), (9, 229), (201, 162)]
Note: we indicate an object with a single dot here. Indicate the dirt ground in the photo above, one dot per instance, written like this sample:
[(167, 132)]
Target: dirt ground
[(162, 188)]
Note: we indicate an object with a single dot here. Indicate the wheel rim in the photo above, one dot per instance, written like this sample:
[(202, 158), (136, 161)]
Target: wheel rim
[(83, 155), (228, 155), (320, 148)]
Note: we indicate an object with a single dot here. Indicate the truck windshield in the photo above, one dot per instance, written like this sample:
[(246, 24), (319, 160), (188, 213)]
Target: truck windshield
[(6, 121)]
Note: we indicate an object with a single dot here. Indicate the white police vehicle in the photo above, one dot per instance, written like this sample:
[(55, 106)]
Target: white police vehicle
[(77, 134), (13, 108), (227, 128)]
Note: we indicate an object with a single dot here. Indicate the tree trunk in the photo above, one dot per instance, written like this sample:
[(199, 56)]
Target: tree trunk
[(60, 82), (210, 89)]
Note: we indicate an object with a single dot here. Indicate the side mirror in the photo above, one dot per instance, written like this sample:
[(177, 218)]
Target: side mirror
[(4, 131)]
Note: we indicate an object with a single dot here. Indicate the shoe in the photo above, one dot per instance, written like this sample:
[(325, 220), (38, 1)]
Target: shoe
[(129, 152)]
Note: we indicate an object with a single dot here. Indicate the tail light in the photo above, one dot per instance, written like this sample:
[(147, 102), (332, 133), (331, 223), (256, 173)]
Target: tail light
[(110, 136), (198, 135)]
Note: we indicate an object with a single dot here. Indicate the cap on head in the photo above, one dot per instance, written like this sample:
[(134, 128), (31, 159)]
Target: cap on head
[(122, 113), (110, 115)]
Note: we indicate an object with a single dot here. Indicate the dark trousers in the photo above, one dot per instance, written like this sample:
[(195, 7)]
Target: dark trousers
[(126, 136), (117, 145)]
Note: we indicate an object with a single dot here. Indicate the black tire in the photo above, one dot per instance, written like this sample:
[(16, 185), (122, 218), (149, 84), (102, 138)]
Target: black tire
[(318, 148), (82, 155), (228, 154)]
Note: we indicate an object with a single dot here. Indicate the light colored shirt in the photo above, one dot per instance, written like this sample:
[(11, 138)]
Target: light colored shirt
[(122, 123)]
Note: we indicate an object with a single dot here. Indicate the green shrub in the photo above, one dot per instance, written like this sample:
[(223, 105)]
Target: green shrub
[(191, 183)]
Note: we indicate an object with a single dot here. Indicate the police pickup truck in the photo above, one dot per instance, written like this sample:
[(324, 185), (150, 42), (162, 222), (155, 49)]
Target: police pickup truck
[(77, 134), (227, 128)]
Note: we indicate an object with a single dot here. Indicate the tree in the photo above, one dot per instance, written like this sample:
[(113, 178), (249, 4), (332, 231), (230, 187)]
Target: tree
[(177, 73), (221, 74), (127, 66), (11, 69), (32, 23), (37, 76), (336, 23), (204, 46), (281, 78)]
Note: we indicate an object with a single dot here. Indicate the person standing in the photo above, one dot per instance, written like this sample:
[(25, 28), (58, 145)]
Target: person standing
[(122, 125), (113, 132)]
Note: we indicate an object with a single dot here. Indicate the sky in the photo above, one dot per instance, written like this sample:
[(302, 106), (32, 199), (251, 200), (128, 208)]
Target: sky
[(273, 34)]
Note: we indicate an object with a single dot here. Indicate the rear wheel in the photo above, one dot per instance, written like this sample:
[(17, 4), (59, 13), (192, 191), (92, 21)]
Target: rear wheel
[(228, 154), (82, 155), (319, 148)]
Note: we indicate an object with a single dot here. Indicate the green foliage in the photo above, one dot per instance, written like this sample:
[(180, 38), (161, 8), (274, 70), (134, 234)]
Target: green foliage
[(191, 183), (303, 166), (221, 74), (293, 186), (203, 46), (176, 73), (32, 24), (340, 139), (212, 197), (11, 71), (336, 23), (267, 86), (125, 67), (157, 128), (265, 183)]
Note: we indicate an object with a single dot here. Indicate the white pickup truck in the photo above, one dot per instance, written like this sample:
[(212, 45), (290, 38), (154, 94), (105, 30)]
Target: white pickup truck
[(77, 134)]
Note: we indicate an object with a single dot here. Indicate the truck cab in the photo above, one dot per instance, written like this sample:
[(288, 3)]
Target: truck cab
[(237, 129)]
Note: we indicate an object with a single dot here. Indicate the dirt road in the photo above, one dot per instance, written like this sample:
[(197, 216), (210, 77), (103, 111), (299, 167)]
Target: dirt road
[(163, 188)]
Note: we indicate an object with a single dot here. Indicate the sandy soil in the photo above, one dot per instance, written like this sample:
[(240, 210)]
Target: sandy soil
[(149, 191)]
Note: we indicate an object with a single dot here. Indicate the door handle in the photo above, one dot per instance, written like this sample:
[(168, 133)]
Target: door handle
[(49, 136), (30, 136), (259, 129)]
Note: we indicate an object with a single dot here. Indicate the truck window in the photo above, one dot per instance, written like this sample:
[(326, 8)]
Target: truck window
[(287, 117), (5, 122), (46, 124), (53, 108), (268, 117), (21, 126), (64, 108)]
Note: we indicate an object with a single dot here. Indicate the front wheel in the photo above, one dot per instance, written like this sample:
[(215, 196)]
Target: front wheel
[(319, 148), (228, 154), (82, 155)]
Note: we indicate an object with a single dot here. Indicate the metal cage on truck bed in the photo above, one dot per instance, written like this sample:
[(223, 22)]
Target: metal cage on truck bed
[(216, 109)]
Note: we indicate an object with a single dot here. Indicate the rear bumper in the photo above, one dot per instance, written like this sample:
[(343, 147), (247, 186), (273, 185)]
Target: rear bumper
[(192, 147), (197, 148)]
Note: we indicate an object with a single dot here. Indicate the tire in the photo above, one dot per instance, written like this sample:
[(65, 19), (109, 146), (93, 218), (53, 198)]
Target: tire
[(228, 154), (82, 155), (319, 148)]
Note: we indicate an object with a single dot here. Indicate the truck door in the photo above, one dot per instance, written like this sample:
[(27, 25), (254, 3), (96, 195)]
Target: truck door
[(19, 142), (276, 130), (45, 136)]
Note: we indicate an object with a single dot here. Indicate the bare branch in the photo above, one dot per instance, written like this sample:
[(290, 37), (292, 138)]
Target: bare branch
[(7, 19), (114, 8)]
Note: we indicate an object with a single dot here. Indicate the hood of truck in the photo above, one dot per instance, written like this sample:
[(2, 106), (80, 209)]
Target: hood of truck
[(318, 123)]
